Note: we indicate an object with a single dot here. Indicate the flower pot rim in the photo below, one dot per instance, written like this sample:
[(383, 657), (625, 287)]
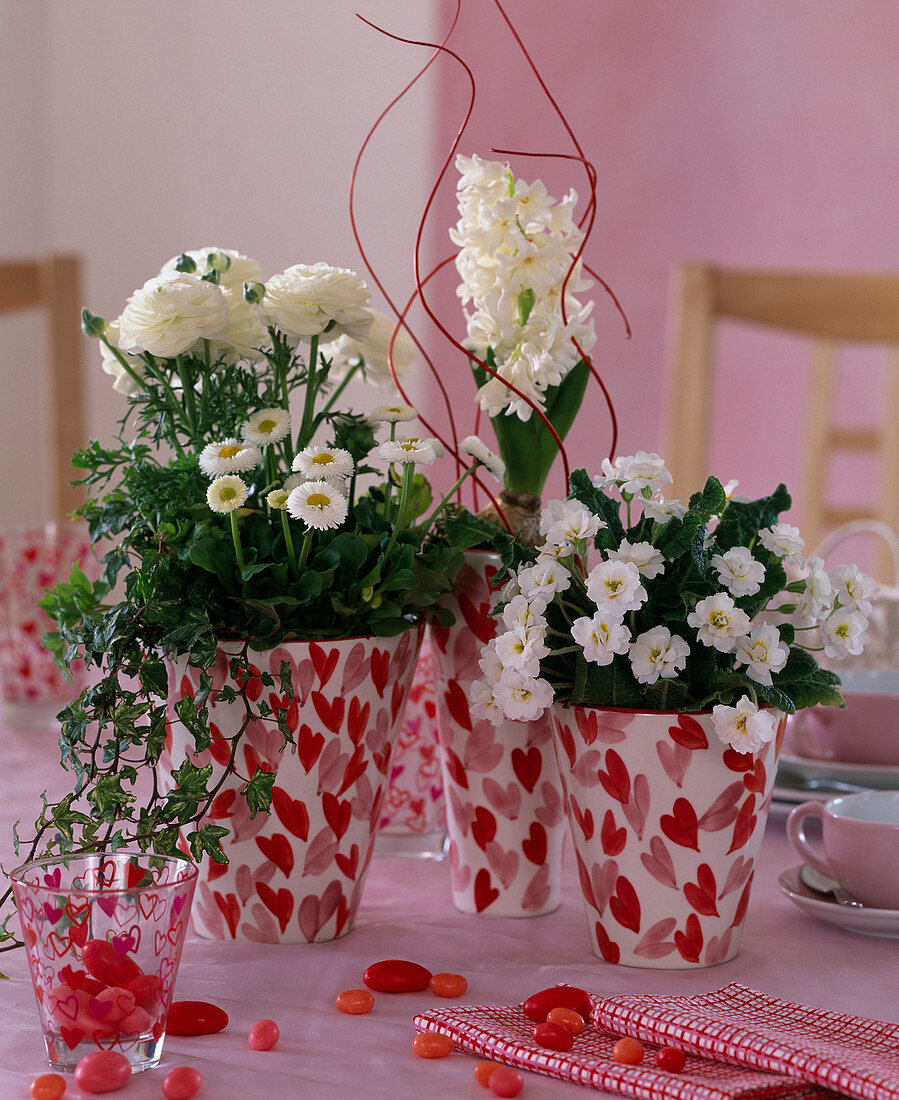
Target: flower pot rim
[(641, 712)]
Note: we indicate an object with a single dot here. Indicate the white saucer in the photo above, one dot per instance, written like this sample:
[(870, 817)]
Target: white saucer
[(879, 777), (867, 922)]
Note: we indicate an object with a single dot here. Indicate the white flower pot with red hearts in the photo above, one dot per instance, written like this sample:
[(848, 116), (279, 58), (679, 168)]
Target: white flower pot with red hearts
[(296, 874), (504, 811), (666, 822)]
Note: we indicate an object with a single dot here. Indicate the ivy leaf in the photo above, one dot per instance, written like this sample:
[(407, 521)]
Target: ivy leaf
[(258, 792)]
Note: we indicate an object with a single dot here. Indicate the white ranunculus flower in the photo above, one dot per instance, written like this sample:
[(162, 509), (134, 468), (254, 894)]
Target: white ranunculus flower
[(657, 653), (762, 652), (234, 268), (171, 314), (719, 622), (614, 586), (124, 383), (306, 298), (738, 571), (375, 354), (744, 727), (601, 636)]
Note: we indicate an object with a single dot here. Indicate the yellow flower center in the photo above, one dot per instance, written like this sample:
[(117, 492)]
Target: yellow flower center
[(322, 459), (227, 493), (719, 620), (229, 452), (613, 586), (267, 426), (318, 500)]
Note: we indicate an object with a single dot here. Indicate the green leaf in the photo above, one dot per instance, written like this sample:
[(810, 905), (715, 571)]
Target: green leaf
[(258, 792)]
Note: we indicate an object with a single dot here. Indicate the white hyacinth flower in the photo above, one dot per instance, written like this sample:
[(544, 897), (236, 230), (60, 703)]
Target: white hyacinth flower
[(324, 462), (762, 652), (318, 504), (601, 636), (738, 571), (719, 622), (266, 426), (744, 727), (227, 494), (657, 653), (649, 562), (615, 585), (228, 456)]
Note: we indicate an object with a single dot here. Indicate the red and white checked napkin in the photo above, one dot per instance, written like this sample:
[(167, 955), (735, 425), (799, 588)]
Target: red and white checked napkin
[(855, 1056), (505, 1034)]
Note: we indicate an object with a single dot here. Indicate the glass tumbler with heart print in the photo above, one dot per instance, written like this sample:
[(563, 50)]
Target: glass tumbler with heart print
[(103, 934)]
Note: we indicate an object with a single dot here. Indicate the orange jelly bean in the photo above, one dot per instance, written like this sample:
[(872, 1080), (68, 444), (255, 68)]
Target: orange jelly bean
[(355, 1002), (448, 985), (628, 1051), (569, 1019), (48, 1086), (431, 1044), (483, 1071)]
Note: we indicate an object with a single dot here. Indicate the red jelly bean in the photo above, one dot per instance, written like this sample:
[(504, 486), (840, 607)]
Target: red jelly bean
[(47, 1086), (396, 976), (505, 1081), (553, 1037), (147, 990), (355, 1002), (102, 1071), (670, 1059), (628, 1051), (538, 1005), (566, 1017), (448, 985), (264, 1034), (432, 1044), (103, 962), (483, 1070), (195, 1018), (181, 1083)]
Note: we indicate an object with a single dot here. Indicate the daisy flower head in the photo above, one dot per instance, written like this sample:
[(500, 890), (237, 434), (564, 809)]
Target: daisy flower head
[(229, 456), (738, 571), (227, 494), (266, 426), (324, 462), (393, 414), (614, 586), (601, 636), (762, 652), (403, 451), (657, 653), (318, 504), (744, 727), (649, 561), (783, 540), (277, 499), (719, 622), (482, 454)]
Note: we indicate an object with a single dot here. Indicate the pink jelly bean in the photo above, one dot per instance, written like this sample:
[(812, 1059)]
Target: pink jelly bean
[(147, 990), (103, 962), (263, 1035), (181, 1083), (111, 1004), (138, 1022), (102, 1071), (505, 1081)]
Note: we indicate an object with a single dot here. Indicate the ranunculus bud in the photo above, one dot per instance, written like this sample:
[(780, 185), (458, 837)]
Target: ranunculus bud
[(253, 292), (91, 324), (186, 263), (219, 261)]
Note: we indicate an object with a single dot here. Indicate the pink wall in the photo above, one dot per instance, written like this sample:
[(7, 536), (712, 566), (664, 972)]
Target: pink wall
[(758, 133)]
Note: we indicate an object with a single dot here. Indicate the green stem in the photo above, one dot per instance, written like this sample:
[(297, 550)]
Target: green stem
[(291, 553), (405, 489), (187, 388), (312, 386), (341, 386), (235, 536), (443, 503), (304, 551)]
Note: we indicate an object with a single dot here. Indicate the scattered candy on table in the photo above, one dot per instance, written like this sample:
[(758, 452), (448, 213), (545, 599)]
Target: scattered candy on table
[(505, 1081), (670, 1059), (102, 1071), (483, 1070), (628, 1051), (396, 976), (538, 1006), (195, 1018), (355, 1002), (432, 1044), (181, 1083), (48, 1086), (264, 1034), (553, 1037), (566, 1017), (448, 985)]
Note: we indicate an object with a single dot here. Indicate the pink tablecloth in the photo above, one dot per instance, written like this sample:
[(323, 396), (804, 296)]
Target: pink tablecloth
[(407, 912)]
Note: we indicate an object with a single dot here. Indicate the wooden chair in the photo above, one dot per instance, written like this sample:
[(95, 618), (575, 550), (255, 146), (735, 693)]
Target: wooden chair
[(831, 309), (53, 284)]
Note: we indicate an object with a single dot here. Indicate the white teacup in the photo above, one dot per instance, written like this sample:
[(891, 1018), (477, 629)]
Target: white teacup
[(860, 836)]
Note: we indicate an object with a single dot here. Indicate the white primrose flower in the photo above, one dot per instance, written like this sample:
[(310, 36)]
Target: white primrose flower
[(649, 562), (601, 636), (738, 571), (228, 456), (482, 454), (484, 703), (744, 727), (489, 662), (614, 586), (318, 504), (171, 314), (324, 462), (762, 652), (408, 450), (521, 649), (308, 299), (719, 622), (522, 697), (853, 589), (633, 474), (657, 653), (266, 426), (227, 494), (783, 540), (524, 612), (575, 524), (844, 633), (662, 510), (373, 354), (543, 579), (392, 414), (819, 593)]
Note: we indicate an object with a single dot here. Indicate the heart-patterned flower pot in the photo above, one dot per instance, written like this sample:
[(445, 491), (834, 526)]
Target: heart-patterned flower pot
[(296, 874), (667, 822)]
